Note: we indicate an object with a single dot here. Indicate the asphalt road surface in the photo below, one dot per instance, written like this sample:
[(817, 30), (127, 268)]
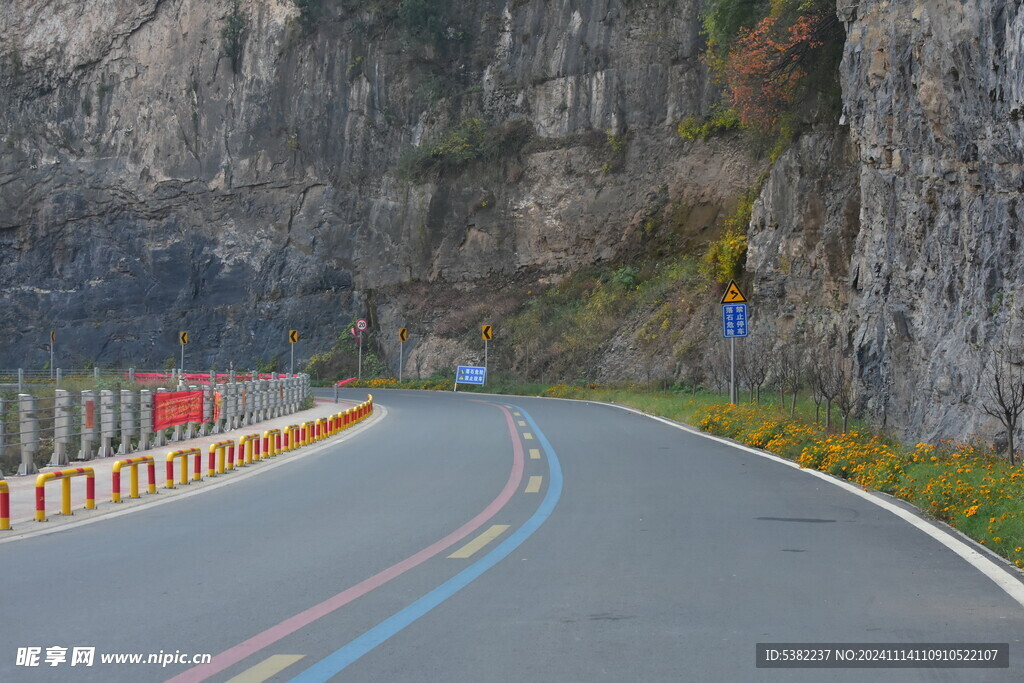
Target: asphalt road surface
[(467, 537)]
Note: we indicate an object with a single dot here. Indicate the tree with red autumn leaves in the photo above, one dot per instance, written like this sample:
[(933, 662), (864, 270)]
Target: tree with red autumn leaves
[(765, 63)]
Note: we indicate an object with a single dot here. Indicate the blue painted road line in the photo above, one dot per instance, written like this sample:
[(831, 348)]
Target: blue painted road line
[(336, 662)]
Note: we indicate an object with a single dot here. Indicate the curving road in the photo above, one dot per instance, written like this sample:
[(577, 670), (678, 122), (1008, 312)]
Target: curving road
[(465, 537)]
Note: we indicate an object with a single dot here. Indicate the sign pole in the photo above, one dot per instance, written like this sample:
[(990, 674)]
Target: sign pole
[(183, 358), (291, 368), (359, 374), (51, 358), (485, 355), (401, 350), (732, 370)]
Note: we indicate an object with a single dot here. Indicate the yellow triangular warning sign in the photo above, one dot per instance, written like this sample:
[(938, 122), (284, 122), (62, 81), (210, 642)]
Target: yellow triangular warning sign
[(733, 295)]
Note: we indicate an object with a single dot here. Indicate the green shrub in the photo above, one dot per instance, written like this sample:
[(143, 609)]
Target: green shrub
[(470, 141), (626, 277), (725, 257), (720, 120)]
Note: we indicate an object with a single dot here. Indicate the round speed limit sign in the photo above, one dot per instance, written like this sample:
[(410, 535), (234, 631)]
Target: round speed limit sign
[(361, 324)]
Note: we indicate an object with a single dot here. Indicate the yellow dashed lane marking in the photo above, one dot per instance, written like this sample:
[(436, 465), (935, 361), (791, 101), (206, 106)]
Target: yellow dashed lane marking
[(517, 414), (527, 435), (533, 486), (522, 423), (479, 542), (534, 454), (268, 668)]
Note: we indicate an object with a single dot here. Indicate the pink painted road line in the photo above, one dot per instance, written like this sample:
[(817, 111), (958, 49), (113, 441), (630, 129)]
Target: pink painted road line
[(289, 626)]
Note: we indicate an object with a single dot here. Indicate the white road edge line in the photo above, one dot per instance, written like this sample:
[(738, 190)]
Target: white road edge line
[(348, 433), (1010, 583)]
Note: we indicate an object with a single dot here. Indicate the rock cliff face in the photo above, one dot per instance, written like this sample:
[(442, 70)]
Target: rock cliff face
[(147, 188), (919, 192), (150, 182)]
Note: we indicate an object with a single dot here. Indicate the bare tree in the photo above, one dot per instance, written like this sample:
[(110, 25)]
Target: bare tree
[(817, 371), (794, 373), (692, 375), (757, 363), (842, 376), (1005, 402), (778, 362), (718, 368), (830, 385)]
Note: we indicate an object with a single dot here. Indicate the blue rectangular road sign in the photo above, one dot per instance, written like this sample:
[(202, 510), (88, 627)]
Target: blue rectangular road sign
[(470, 374), (734, 320)]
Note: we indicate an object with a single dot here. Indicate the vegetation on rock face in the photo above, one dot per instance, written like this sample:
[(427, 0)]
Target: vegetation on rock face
[(721, 119), (771, 56), (472, 140), (310, 12), (231, 33), (423, 19), (723, 261)]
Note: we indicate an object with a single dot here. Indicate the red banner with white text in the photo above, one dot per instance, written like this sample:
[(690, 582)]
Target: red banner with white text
[(177, 408)]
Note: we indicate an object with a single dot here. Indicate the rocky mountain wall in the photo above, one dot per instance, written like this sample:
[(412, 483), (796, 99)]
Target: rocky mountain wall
[(151, 182), (919, 193), (147, 188)]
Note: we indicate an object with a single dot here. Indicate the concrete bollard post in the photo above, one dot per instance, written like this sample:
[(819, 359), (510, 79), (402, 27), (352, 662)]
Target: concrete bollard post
[(275, 399), (205, 426), (190, 428), (176, 434), (267, 399), (258, 395), (90, 425), (131, 375), (218, 421), (21, 380), (145, 419), (254, 402), (29, 434), (58, 376), (248, 400), (129, 424), (230, 405), (61, 429), (108, 423), (270, 403), (241, 404), (96, 375), (3, 430), (159, 436)]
